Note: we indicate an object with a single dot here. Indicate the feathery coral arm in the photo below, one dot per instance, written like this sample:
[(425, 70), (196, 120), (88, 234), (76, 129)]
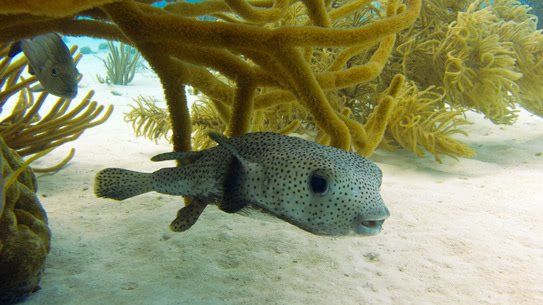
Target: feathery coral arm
[(273, 98), (10, 179), (68, 132), (187, 9), (173, 75), (242, 108), (39, 8), (348, 9), (16, 20), (202, 8), (220, 60), (12, 130), (317, 12), (359, 74), (165, 28), (312, 97), (258, 15), (57, 167), (67, 26), (204, 81), (4, 95)]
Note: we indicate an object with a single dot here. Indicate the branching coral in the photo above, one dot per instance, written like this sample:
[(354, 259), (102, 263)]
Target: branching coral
[(464, 55), (251, 46), (328, 69), (24, 130)]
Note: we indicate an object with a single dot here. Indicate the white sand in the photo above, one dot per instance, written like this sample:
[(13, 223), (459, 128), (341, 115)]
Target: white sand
[(461, 232)]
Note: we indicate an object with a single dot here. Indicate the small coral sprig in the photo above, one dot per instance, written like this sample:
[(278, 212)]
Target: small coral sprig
[(149, 120), (120, 64)]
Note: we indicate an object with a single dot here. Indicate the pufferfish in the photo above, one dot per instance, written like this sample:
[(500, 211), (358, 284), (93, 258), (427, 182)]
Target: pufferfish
[(320, 189)]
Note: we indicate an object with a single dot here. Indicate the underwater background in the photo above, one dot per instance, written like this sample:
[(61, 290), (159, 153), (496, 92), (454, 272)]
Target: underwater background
[(462, 173)]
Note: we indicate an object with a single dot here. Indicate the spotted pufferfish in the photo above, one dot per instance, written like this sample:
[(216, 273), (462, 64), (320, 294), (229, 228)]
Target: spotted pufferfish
[(320, 189)]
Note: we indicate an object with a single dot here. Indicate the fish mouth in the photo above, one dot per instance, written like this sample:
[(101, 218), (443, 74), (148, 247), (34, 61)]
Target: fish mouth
[(64, 94), (370, 226), (67, 94)]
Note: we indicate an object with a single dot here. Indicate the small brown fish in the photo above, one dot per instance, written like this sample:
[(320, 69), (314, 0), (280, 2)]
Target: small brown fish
[(321, 189), (51, 61)]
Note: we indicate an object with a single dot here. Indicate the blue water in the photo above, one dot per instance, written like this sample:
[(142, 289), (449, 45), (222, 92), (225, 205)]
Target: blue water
[(164, 3)]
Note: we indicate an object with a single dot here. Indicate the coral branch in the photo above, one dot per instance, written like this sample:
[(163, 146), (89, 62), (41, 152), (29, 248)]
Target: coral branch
[(307, 60)]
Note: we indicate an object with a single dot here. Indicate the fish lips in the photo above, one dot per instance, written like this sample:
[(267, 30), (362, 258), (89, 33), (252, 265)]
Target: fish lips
[(370, 226), (68, 94)]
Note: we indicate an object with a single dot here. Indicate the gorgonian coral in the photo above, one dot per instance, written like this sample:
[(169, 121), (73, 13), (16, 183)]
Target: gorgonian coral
[(251, 46)]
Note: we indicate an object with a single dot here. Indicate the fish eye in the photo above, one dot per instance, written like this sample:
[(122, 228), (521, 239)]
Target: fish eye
[(54, 72), (318, 184)]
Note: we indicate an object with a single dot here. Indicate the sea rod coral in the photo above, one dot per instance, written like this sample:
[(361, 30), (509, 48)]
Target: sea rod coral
[(269, 63)]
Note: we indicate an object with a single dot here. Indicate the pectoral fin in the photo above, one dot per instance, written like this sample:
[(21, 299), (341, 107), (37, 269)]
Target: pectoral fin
[(233, 187), (188, 215), (37, 88)]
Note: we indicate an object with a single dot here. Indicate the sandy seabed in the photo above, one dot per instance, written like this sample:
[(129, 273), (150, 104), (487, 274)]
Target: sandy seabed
[(461, 232)]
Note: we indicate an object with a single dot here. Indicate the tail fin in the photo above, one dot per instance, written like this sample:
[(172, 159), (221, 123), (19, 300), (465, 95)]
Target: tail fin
[(119, 184)]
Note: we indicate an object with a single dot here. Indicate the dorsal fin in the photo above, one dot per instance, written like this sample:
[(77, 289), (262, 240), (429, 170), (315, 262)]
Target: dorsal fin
[(225, 143), (15, 49), (186, 157)]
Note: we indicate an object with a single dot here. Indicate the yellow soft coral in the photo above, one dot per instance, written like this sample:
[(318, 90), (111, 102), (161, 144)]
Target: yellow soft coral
[(243, 48), (479, 67), (52, 8), (419, 122), (520, 28), (487, 58)]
